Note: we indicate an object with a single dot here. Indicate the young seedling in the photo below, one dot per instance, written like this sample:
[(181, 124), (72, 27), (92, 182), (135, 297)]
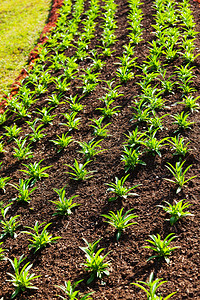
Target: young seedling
[(23, 191), (176, 210), (73, 122), (62, 141), (178, 145), (21, 279), (35, 172), (152, 286), (40, 240), (46, 118), (119, 189), (22, 152), (153, 145), (2, 150), (181, 121), (12, 132), (55, 99), (119, 221), (95, 263), (107, 111), (131, 158), (3, 182), (79, 172), (161, 247), (179, 175), (135, 138), (90, 149), (75, 106), (190, 103), (8, 226), (64, 205), (37, 132), (72, 294), (98, 129), (2, 253)]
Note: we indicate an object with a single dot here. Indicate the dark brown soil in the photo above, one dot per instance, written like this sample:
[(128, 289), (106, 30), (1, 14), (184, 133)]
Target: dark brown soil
[(62, 261)]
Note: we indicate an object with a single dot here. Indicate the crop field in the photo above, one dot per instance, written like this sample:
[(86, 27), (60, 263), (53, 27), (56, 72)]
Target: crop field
[(99, 146)]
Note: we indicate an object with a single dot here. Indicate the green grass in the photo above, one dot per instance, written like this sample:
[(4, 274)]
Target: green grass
[(21, 22)]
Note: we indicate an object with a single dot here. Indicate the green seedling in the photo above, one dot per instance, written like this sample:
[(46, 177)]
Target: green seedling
[(120, 190), (72, 294), (131, 158), (176, 210), (95, 264), (12, 132), (161, 247), (21, 279), (64, 205), (40, 240), (23, 191), (152, 286), (62, 141), (119, 221), (22, 152), (79, 172), (178, 145), (35, 172), (179, 175), (98, 129), (89, 150), (10, 225)]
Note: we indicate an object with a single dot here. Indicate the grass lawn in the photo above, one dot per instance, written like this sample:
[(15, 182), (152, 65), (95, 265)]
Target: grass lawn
[(21, 22)]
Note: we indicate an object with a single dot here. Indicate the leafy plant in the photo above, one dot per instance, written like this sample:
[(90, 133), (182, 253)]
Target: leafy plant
[(141, 114), (107, 111), (179, 175), (40, 240), (119, 221), (95, 263), (2, 146), (22, 152), (98, 130), (161, 247), (79, 171), (62, 141), (21, 279), (75, 104), (8, 226), (72, 294), (135, 138), (176, 210), (55, 99), (35, 172), (152, 285), (178, 145), (181, 121), (73, 122), (124, 73), (12, 132), (153, 145), (3, 182), (119, 189), (2, 254), (46, 118), (90, 149), (131, 158), (23, 191), (37, 132), (64, 205), (190, 103)]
